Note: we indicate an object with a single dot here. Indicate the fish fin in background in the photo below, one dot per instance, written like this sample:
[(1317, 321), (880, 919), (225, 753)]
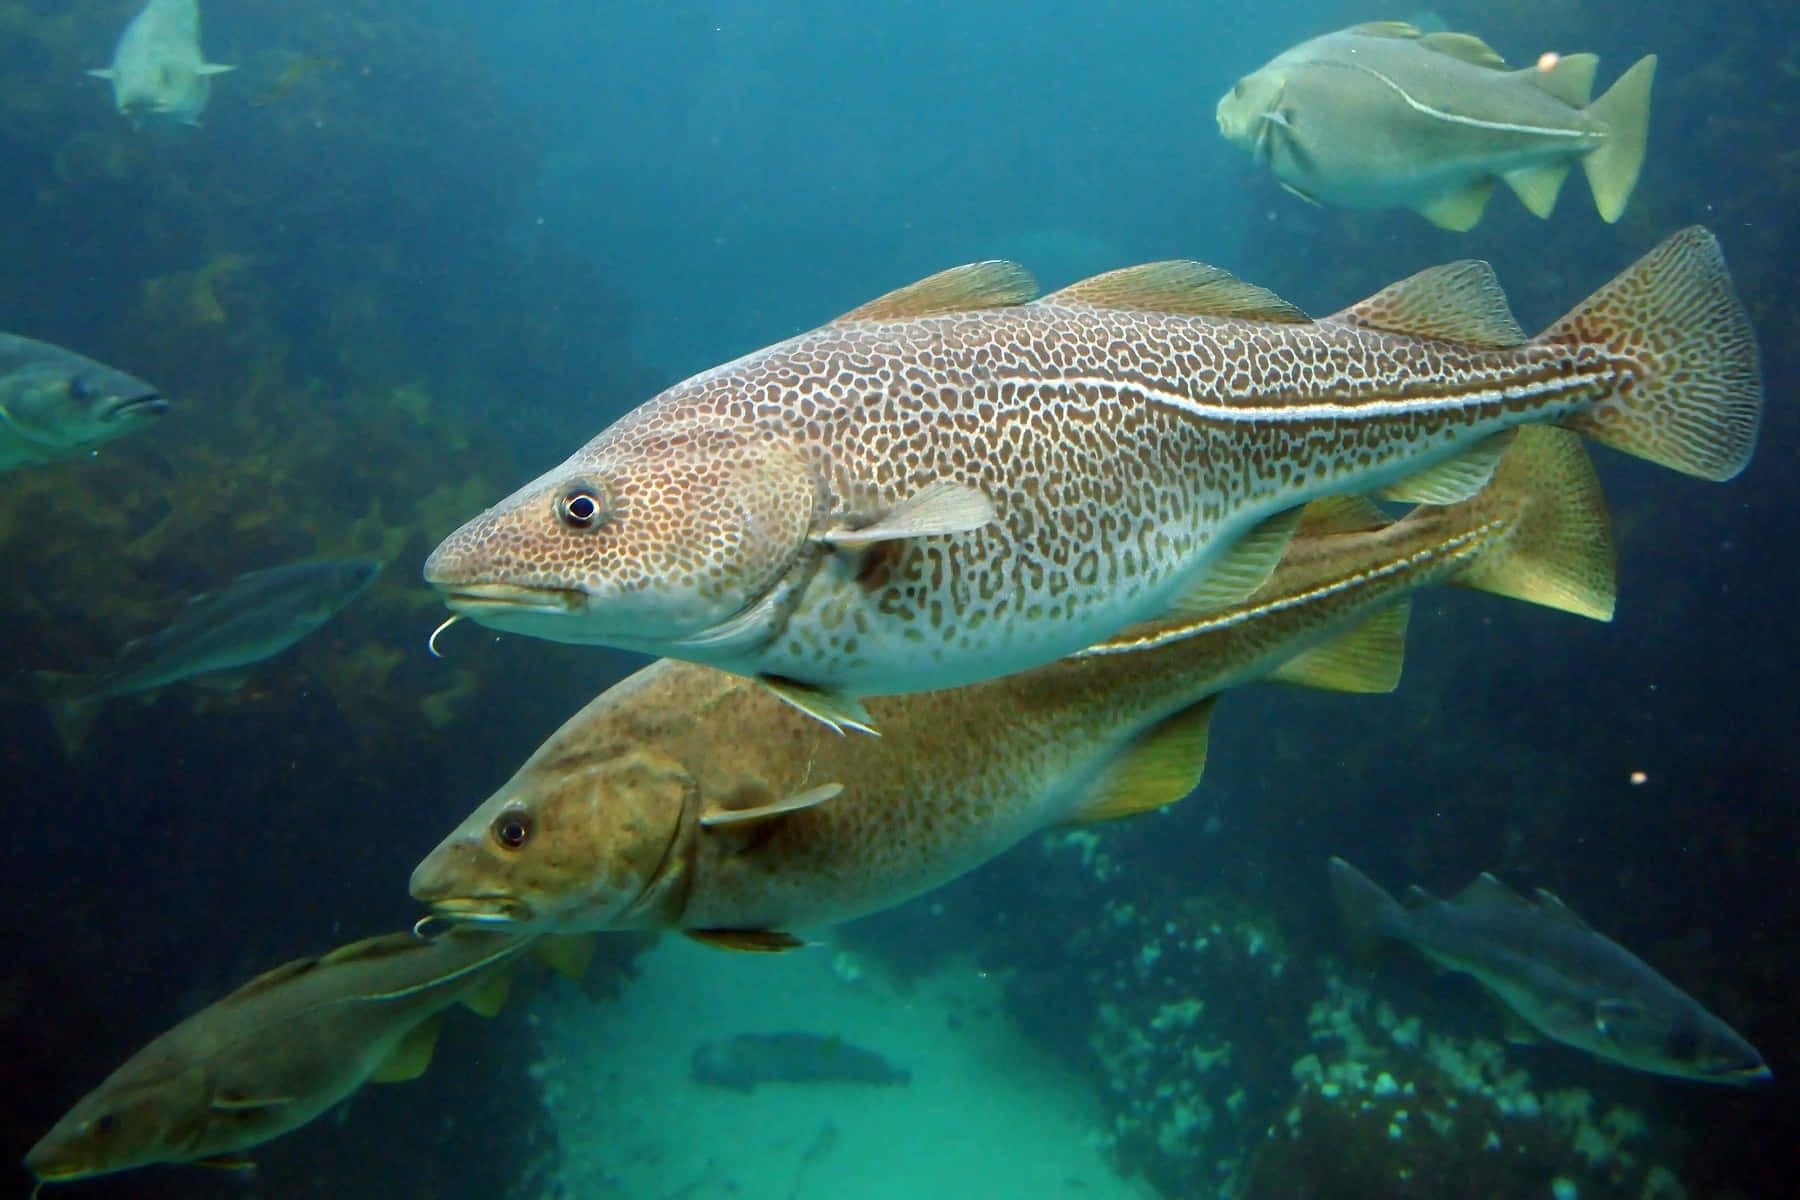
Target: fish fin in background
[(489, 997), (1560, 553), (223, 682), (1570, 79), (1342, 514), (839, 710), (1487, 890), (1180, 286), (944, 507), (715, 816), (1514, 1029), (1367, 659), (1369, 914), (1456, 479), (996, 283), (1551, 905), (214, 68), (72, 706), (227, 1104), (1465, 46), (223, 1162), (1698, 405), (411, 1055), (1538, 187), (1163, 765), (1245, 566), (1417, 897), (102, 73), (1460, 210), (568, 954), (753, 941), (1456, 302), (1612, 167)]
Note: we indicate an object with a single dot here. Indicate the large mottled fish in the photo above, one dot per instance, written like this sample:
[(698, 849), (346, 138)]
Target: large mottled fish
[(950, 484), (749, 1060), (276, 1053), (686, 798), (1382, 116), (1556, 974), (256, 616), (157, 67), (55, 404)]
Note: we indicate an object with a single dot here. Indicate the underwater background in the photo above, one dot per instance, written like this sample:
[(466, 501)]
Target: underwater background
[(419, 252)]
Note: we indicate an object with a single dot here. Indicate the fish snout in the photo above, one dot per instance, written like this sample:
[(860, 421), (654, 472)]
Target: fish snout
[(134, 407)]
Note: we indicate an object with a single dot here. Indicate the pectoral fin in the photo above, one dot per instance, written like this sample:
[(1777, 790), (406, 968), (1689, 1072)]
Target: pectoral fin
[(1455, 480), (1294, 191), (102, 73), (411, 1056), (568, 954), (754, 941), (1158, 769), (840, 710), (1366, 660), (214, 69), (937, 508), (715, 817), (490, 997), (1242, 568)]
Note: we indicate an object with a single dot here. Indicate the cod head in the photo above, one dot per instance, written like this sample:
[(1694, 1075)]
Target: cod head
[(124, 1124), (62, 405), (1248, 113), (1669, 1035), (582, 838), (671, 540)]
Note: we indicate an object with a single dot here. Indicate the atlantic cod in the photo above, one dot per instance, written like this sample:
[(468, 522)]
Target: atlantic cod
[(276, 1053), (56, 404), (157, 67), (686, 798), (950, 484), (1382, 115), (1558, 975)]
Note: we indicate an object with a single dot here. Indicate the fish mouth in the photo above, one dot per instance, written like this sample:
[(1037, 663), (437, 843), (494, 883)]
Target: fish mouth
[(472, 599), (127, 408), (494, 909)]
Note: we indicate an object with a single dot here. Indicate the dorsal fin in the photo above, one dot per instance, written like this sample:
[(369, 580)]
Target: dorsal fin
[(1417, 897), (1341, 514), (273, 977), (1367, 659), (1387, 29), (387, 945), (1457, 302), (1180, 285), (995, 283), (1159, 768), (1570, 78), (1551, 905), (1488, 890), (1465, 46)]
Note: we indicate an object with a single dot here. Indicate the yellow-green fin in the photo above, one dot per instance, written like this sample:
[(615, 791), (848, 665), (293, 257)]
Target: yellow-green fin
[(1460, 210), (1387, 29), (1159, 768), (240, 1104), (386, 945), (1368, 658), (943, 507), (1453, 480), (1180, 286), (1559, 551), (489, 996), (1537, 187), (274, 977), (1612, 167), (1570, 79), (1457, 302), (1242, 568), (715, 816), (1341, 514), (753, 941), (840, 710), (995, 283), (1466, 46), (411, 1055), (568, 954)]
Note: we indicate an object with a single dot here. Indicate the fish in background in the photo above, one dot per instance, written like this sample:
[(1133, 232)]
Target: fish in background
[(951, 483), (283, 1048), (749, 1060), (215, 635), (157, 67), (56, 404), (688, 799), (1556, 974), (1384, 116)]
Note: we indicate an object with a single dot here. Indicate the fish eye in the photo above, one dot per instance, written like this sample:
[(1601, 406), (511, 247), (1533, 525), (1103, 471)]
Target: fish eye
[(106, 1123), (79, 390), (512, 828), (581, 506), (1238, 89)]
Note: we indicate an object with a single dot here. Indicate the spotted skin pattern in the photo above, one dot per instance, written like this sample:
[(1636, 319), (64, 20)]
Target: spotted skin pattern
[(1122, 452)]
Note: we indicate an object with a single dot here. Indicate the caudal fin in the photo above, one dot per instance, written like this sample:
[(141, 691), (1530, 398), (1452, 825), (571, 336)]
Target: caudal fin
[(1369, 914), (1689, 387), (1559, 551), (1612, 168)]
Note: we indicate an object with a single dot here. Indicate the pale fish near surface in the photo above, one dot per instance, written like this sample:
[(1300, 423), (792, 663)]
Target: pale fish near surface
[(57, 405), (1382, 115), (157, 68), (951, 483), (1555, 974), (684, 798)]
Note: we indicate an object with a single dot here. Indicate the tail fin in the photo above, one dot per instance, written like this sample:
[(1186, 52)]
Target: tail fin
[(1559, 552), (1612, 168), (1369, 914), (72, 705), (1690, 390)]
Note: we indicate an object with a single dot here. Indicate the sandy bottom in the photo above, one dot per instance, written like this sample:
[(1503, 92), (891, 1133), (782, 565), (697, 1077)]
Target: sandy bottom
[(987, 1112)]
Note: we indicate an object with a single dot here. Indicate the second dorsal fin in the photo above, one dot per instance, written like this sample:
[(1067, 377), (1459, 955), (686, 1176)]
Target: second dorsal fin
[(996, 283), (1457, 302), (1465, 46), (1180, 286)]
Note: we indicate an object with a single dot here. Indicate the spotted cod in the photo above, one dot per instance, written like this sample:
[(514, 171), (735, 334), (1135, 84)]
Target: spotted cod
[(955, 482), (688, 799), (1383, 115)]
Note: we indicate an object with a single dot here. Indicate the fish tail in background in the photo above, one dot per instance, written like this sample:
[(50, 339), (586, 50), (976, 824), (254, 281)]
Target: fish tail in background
[(72, 704), (1560, 554), (1369, 913), (1612, 168), (1687, 391)]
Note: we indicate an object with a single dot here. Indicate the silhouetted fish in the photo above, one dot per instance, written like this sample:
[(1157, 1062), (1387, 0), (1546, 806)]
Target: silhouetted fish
[(749, 1059)]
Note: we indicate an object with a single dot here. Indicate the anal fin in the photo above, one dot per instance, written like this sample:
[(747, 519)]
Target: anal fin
[(1458, 211), (1159, 768), (1367, 659), (754, 941), (410, 1056), (1537, 187), (489, 997)]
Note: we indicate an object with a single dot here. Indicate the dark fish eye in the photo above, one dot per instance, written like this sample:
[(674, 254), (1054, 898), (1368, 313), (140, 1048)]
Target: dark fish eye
[(79, 390), (580, 507), (512, 828), (1238, 89), (106, 1122)]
